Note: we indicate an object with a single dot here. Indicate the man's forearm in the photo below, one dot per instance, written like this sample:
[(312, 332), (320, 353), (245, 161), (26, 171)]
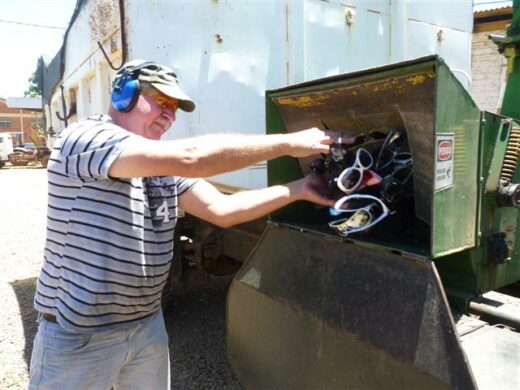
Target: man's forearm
[(248, 205), (197, 157), (213, 154)]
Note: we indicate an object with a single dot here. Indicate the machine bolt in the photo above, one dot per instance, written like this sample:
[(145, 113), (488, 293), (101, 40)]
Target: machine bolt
[(509, 195), (440, 36), (349, 17)]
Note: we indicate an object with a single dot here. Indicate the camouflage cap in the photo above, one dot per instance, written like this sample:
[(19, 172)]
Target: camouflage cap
[(160, 77)]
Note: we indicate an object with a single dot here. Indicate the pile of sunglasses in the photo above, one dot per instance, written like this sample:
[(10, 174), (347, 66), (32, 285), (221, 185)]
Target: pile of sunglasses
[(373, 174)]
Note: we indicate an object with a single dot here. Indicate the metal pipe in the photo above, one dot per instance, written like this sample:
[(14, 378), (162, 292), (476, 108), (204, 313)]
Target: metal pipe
[(501, 316), (66, 115), (124, 45), (122, 21)]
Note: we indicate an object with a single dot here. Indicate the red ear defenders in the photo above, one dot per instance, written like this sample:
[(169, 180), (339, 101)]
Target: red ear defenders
[(126, 87)]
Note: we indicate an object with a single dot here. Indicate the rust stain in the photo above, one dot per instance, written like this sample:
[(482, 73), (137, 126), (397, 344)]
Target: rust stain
[(383, 87), (391, 85), (102, 18), (414, 80), (302, 101)]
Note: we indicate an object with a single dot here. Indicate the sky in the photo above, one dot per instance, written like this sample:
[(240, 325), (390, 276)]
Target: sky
[(23, 44), (482, 5)]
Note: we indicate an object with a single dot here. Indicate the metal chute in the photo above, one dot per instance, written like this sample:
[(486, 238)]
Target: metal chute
[(307, 311)]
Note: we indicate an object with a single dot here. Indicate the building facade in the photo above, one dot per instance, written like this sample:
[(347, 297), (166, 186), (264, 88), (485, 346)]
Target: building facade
[(489, 67), (18, 122)]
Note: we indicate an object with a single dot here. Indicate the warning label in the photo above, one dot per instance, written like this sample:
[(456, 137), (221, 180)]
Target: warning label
[(444, 161)]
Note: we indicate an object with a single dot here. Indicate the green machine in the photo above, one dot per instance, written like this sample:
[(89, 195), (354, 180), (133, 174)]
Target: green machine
[(399, 305)]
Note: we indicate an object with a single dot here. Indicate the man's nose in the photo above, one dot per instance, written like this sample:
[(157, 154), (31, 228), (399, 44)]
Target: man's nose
[(170, 114)]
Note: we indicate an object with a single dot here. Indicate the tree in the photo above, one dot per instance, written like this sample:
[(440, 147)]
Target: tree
[(34, 88)]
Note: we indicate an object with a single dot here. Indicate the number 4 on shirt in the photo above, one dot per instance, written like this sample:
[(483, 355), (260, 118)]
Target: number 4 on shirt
[(164, 212)]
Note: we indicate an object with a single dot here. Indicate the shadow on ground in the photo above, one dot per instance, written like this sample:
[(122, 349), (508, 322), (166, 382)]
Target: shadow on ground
[(196, 325), (24, 290)]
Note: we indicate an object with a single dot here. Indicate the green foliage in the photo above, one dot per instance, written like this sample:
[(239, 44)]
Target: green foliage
[(34, 88)]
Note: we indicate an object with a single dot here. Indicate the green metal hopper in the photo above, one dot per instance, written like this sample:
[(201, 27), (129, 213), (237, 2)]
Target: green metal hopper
[(310, 309)]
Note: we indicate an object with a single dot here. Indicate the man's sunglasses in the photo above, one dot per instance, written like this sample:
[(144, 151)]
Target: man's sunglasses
[(161, 99)]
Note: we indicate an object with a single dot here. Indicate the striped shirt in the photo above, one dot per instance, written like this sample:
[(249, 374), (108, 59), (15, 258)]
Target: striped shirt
[(109, 241)]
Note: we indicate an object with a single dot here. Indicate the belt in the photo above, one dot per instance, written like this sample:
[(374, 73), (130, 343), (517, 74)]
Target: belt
[(49, 317)]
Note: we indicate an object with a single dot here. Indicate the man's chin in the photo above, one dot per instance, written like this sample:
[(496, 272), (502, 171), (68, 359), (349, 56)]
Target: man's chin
[(155, 133)]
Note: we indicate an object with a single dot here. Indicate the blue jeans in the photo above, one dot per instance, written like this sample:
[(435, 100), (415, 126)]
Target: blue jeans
[(132, 358)]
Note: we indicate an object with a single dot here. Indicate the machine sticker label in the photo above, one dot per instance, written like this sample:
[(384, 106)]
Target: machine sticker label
[(444, 161)]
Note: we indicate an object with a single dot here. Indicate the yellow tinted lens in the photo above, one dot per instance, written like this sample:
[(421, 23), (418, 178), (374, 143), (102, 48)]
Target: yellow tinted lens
[(162, 100), (166, 102)]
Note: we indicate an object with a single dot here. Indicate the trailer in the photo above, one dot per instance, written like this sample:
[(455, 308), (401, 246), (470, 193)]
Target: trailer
[(227, 54)]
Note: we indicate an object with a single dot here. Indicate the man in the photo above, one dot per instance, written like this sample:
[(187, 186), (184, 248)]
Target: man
[(114, 191)]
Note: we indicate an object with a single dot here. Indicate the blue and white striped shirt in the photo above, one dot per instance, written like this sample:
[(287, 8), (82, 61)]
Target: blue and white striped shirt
[(109, 241)]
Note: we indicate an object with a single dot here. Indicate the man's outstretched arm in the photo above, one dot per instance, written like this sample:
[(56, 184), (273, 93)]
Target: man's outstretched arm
[(206, 202), (215, 154)]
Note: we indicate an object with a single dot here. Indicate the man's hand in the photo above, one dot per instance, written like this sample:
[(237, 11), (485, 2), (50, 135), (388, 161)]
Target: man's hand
[(313, 188), (313, 141)]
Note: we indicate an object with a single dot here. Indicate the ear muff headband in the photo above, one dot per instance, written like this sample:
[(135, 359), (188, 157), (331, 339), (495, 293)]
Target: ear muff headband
[(126, 88)]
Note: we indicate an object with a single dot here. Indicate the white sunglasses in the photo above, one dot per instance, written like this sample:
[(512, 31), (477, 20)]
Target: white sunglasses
[(360, 218), (351, 178)]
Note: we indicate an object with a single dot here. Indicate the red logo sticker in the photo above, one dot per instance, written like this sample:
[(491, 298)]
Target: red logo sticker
[(444, 150)]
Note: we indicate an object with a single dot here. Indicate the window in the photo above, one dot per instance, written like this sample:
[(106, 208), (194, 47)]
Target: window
[(5, 123)]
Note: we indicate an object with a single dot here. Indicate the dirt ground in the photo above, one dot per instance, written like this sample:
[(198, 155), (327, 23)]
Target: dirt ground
[(195, 321)]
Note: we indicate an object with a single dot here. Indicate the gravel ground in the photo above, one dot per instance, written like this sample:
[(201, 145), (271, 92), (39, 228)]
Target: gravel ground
[(195, 321)]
